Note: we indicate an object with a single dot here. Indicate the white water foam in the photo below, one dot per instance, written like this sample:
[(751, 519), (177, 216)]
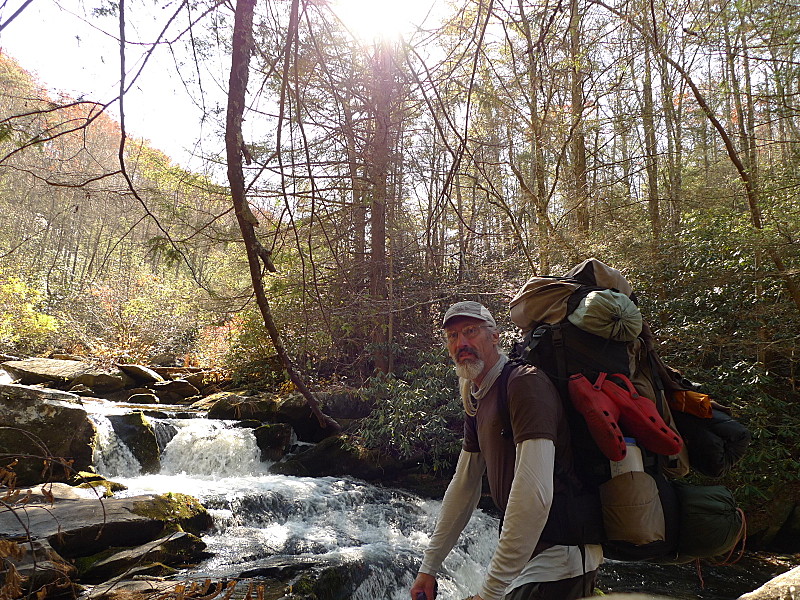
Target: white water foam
[(263, 518), (110, 456)]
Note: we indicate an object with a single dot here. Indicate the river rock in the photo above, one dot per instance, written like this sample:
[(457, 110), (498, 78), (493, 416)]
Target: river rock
[(138, 434), (337, 456), (102, 381), (143, 399), (140, 373), (229, 406), (174, 391), (84, 527), (274, 440), (47, 425), (43, 572), (73, 372), (174, 549), (783, 587), (45, 370), (296, 411), (342, 402), (209, 401)]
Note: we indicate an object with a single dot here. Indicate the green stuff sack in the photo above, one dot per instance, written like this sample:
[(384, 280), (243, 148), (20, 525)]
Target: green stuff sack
[(710, 522)]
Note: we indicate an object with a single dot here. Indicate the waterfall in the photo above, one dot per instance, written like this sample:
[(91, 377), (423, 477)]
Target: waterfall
[(110, 456), (204, 447), (263, 520)]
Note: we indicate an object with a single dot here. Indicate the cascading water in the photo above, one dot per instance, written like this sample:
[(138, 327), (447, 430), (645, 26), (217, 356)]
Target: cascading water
[(263, 520)]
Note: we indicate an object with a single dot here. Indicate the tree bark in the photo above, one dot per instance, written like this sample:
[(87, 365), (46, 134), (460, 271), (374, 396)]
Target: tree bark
[(242, 46)]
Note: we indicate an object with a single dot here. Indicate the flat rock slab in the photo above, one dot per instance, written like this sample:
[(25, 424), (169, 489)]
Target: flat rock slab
[(786, 585), (41, 370), (33, 371), (82, 527)]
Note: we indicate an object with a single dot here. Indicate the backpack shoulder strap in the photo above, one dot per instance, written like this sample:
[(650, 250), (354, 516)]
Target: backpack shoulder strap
[(502, 395)]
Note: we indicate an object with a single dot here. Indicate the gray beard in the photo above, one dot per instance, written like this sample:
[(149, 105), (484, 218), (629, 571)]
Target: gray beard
[(469, 369)]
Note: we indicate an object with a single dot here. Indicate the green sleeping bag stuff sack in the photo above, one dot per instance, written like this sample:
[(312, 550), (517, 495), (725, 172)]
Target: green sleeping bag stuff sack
[(710, 522)]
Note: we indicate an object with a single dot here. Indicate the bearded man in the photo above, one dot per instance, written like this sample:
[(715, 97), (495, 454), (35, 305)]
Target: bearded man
[(524, 468)]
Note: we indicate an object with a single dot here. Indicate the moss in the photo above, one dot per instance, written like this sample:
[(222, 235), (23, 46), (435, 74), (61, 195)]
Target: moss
[(179, 512)]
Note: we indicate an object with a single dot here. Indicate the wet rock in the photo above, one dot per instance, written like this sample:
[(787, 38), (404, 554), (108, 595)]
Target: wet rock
[(274, 440), (174, 391), (296, 411), (228, 406), (84, 527), (143, 399), (177, 548), (140, 373), (138, 434), (43, 573), (782, 587), (338, 456), (48, 430)]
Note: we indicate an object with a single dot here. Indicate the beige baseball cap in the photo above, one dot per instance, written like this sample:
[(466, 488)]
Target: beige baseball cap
[(469, 308)]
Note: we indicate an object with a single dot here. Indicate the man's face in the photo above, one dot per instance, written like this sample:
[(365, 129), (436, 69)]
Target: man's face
[(470, 343)]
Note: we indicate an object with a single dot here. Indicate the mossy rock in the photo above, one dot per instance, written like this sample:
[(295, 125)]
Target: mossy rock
[(336, 456), (136, 432), (179, 512), (274, 440), (236, 407), (87, 480), (335, 582)]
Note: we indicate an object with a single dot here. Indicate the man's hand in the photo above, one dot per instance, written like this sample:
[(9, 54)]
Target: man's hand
[(424, 584)]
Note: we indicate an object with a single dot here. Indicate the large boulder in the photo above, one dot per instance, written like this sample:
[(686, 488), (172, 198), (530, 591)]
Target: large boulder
[(174, 391), (45, 370), (34, 371), (774, 523), (47, 430), (138, 434), (343, 402), (77, 528), (140, 373), (783, 586), (176, 548), (229, 406), (274, 440), (296, 411), (337, 456)]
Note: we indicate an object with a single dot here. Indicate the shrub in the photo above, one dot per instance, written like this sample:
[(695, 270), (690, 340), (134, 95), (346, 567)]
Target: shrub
[(416, 417), (22, 327)]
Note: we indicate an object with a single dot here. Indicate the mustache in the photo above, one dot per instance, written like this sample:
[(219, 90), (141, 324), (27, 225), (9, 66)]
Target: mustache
[(466, 351)]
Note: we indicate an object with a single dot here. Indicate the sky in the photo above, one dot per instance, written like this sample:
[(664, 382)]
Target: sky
[(65, 47), (68, 53)]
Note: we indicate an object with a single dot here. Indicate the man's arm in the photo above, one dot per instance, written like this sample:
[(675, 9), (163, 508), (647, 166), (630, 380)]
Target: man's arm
[(459, 501), (525, 517)]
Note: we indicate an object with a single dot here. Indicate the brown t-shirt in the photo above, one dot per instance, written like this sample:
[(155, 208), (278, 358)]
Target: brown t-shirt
[(536, 412)]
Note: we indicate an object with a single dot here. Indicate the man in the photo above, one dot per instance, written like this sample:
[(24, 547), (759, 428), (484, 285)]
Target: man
[(520, 471)]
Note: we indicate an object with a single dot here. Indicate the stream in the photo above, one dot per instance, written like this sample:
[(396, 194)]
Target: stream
[(262, 520)]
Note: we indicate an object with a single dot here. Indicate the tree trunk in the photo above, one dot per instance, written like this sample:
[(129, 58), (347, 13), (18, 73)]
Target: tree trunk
[(242, 45), (380, 193)]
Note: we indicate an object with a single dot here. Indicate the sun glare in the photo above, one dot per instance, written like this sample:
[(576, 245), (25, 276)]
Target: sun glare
[(372, 19)]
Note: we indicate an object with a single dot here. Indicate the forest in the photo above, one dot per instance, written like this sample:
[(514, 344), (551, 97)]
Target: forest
[(351, 191)]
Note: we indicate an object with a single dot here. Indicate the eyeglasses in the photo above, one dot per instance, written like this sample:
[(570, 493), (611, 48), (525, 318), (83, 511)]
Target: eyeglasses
[(469, 332)]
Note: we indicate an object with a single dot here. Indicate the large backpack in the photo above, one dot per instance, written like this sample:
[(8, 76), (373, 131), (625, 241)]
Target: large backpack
[(586, 333)]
